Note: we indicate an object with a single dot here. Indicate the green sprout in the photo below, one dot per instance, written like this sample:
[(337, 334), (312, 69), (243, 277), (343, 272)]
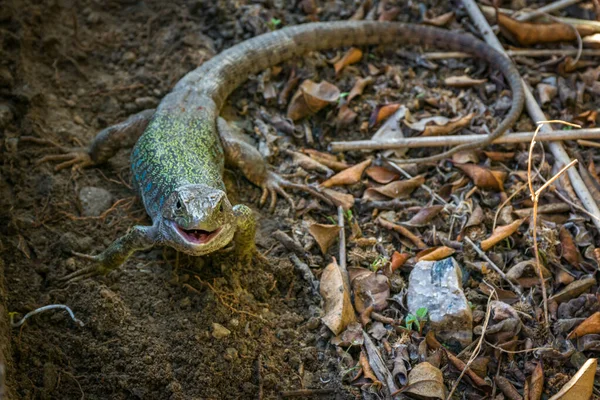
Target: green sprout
[(418, 319), (274, 23), (378, 263)]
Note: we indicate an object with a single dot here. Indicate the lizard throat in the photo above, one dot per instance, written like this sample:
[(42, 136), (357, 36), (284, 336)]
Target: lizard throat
[(198, 236)]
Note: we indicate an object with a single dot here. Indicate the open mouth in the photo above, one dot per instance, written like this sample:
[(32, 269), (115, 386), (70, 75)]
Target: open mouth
[(198, 236)]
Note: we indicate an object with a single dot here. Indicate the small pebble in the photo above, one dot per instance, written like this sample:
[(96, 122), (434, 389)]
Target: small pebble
[(146, 102), (313, 323), (219, 331), (78, 120), (230, 354), (129, 57), (6, 115), (94, 200)]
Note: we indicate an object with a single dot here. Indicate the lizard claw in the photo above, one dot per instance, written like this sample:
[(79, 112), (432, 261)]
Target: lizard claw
[(275, 184), (75, 159), (85, 273)]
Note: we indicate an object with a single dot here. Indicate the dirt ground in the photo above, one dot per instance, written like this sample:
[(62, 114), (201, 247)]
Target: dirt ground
[(69, 69)]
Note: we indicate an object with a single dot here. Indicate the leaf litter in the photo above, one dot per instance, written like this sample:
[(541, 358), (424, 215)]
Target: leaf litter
[(398, 217)]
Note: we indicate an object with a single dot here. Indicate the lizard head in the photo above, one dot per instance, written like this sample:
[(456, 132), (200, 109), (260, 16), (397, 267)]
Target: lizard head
[(198, 219)]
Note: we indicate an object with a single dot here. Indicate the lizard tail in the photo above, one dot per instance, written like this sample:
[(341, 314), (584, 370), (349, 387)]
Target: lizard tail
[(219, 76)]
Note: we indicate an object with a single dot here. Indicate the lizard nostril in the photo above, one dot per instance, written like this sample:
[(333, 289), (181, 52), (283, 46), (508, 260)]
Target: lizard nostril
[(221, 207), (178, 205)]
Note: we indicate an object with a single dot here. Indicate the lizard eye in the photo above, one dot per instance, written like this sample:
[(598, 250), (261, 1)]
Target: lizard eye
[(178, 205)]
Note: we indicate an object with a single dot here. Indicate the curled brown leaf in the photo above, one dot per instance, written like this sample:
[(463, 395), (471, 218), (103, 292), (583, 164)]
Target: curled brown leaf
[(352, 56), (348, 176), (501, 233), (312, 97), (325, 235)]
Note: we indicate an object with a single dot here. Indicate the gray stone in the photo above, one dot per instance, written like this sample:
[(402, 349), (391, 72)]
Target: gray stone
[(6, 115), (219, 331), (437, 286), (94, 200)]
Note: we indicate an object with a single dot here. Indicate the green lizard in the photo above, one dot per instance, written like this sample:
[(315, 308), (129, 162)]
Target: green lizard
[(181, 148)]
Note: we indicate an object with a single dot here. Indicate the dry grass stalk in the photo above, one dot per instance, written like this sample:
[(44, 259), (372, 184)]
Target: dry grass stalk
[(535, 197)]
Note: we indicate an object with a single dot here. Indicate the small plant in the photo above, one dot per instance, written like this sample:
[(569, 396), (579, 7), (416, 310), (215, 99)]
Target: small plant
[(274, 23), (378, 263), (418, 319), (348, 215)]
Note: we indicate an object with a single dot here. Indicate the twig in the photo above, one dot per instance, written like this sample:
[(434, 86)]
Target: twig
[(490, 12), (443, 55), (516, 192), (536, 114), (221, 300), (42, 309), (493, 265), (307, 392), (475, 353), (535, 197), (557, 5), (439, 141), (588, 143), (342, 263), (424, 186), (260, 379)]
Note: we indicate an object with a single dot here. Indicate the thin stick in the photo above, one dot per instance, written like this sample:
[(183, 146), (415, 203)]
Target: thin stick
[(439, 141), (557, 5), (535, 196), (424, 186), (490, 12), (493, 265), (342, 263), (536, 113), (588, 143), (42, 309), (475, 353), (443, 55)]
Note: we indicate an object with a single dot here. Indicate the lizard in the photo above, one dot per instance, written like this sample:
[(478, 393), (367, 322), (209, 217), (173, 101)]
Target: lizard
[(180, 148)]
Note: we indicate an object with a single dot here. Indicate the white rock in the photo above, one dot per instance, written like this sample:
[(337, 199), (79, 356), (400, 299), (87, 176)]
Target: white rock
[(437, 286)]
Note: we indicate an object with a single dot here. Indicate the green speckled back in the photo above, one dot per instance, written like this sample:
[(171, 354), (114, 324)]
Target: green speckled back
[(178, 147)]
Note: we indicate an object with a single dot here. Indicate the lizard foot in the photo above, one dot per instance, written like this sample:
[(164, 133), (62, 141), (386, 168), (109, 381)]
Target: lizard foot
[(275, 184), (75, 159), (84, 273)]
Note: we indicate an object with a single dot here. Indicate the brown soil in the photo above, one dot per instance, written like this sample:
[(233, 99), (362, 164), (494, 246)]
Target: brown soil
[(69, 68)]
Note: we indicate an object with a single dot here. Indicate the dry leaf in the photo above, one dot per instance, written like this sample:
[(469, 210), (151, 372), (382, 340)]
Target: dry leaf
[(484, 178), (352, 56), (310, 98), (590, 325), (340, 199), (309, 164), (394, 190), (452, 126), (507, 388), (398, 260), (546, 92), (401, 364), (326, 159), (463, 81), (465, 156), (581, 386), (574, 289), (536, 385), (325, 235), (336, 297), (569, 248), (370, 289), (381, 174), (359, 87), (525, 274), (345, 117), (382, 112), (424, 216), (434, 253), (348, 176), (527, 33), (426, 382), (440, 20), (501, 233), (403, 231), (499, 156), (363, 360)]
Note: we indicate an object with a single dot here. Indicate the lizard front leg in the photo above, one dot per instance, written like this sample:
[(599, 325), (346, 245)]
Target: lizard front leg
[(137, 238), (105, 145), (244, 234), (240, 154)]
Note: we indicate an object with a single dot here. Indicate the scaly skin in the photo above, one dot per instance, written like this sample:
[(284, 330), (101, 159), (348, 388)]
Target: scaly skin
[(178, 161)]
